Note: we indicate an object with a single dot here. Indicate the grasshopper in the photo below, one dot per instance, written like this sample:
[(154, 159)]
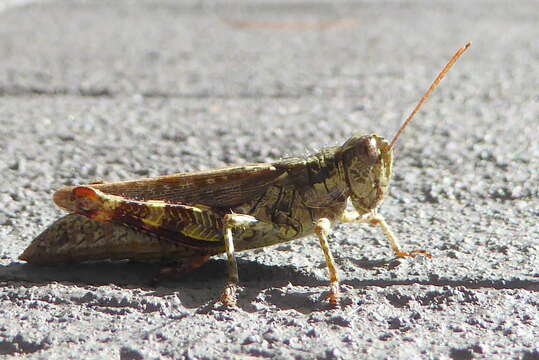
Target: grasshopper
[(193, 216)]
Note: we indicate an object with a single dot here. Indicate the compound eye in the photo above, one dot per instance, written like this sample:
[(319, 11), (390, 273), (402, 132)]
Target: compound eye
[(367, 150)]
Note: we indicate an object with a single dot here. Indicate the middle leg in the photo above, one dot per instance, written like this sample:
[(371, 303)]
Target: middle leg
[(322, 229)]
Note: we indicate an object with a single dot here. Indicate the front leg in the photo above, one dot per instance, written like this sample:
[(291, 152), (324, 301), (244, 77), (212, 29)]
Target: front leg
[(373, 218), (322, 229)]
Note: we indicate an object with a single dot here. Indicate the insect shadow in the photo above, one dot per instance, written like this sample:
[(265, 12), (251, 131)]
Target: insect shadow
[(194, 289), (199, 289), (262, 283)]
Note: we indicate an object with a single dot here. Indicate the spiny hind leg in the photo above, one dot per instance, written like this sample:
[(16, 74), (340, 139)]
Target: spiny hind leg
[(177, 272), (231, 222), (322, 229), (374, 219)]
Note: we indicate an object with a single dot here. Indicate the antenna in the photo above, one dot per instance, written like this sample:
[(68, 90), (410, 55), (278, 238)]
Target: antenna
[(433, 86)]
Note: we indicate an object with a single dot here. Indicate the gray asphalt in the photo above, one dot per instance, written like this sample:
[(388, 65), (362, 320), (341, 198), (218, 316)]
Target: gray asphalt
[(114, 90)]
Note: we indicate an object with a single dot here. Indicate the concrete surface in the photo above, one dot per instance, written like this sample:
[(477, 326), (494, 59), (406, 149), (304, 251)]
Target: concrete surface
[(110, 90)]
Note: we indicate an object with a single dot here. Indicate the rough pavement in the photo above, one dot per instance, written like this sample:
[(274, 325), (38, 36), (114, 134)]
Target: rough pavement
[(112, 90)]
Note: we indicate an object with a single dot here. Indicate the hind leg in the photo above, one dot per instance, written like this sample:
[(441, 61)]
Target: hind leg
[(231, 222)]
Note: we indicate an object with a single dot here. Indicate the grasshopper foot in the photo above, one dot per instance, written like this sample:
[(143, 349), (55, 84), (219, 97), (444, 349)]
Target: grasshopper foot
[(228, 298), (334, 295), (413, 254)]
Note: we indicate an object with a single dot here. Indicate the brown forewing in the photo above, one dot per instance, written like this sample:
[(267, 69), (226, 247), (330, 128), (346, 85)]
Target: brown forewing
[(219, 188)]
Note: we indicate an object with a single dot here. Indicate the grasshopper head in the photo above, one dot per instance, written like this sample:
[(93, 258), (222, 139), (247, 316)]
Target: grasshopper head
[(367, 161)]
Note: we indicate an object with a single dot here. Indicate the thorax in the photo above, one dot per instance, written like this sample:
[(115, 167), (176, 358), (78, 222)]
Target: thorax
[(312, 189)]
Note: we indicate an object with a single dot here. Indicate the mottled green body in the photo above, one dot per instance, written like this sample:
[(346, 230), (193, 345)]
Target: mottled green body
[(287, 197)]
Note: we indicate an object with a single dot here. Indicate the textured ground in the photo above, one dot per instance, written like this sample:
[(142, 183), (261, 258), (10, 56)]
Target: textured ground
[(97, 90)]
